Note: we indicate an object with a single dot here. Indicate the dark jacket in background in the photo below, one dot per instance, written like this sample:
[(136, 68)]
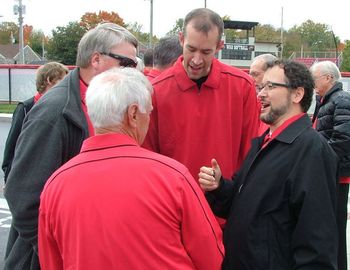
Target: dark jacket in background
[(333, 122), (52, 134), (281, 204), (18, 116)]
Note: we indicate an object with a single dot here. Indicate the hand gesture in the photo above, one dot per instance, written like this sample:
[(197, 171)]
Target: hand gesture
[(209, 177)]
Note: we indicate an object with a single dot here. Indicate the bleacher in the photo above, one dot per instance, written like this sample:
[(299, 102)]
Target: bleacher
[(309, 61)]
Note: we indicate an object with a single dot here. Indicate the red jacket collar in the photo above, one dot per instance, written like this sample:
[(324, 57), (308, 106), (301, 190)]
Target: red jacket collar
[(107, 140), (185, 83)]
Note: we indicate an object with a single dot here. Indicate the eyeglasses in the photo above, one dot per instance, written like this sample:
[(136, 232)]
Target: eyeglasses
[(123, 60), (271, 85), (319, 77)]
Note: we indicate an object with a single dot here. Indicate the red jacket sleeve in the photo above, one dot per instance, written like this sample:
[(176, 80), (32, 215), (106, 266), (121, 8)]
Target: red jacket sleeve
[(201, 234)]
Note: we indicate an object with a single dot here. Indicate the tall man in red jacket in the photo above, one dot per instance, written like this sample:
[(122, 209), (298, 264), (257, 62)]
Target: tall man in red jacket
[(202, 107), (119, 206)]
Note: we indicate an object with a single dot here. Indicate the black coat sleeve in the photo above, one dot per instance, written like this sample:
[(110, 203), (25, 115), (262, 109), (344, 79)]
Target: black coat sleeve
[(10, 145), (220, 200)]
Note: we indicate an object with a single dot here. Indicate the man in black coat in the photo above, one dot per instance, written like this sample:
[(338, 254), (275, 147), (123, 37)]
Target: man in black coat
[(333, 122), (281, 205)]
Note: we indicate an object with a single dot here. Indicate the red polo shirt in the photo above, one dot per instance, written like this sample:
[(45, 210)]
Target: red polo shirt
[(195, 125)]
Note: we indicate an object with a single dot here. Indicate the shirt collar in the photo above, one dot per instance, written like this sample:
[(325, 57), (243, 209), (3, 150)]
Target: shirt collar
[(107, 140), (185, 83)]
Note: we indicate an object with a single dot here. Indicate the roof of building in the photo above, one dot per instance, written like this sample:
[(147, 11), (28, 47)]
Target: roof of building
[(239, 25), (9, 50)]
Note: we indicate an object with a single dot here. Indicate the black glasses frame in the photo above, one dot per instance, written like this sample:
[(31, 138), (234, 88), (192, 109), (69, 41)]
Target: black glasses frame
[(272, 85), (123, 60)]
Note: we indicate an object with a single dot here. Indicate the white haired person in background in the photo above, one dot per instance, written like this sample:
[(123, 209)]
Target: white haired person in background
[(131, 208), (332, 121)]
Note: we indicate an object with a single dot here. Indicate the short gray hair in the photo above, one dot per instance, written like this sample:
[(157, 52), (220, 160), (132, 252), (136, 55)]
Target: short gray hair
[(266, 58), (111, 92), (327, 68), (167, 51), (102, 39)]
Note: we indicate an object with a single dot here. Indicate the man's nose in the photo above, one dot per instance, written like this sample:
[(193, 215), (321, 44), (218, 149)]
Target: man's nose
[(197, 59)]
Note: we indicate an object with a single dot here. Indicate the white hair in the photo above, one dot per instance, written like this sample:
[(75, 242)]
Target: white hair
[(111, 92), (327, 68)]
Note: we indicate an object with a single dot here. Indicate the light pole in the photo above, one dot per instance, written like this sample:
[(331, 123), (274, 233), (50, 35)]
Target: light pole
[(151, 24), (20, 10), (205, 3), (335, 45), (281, 32)]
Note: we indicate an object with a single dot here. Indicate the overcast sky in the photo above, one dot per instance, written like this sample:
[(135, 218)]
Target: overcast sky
[(48, 14)]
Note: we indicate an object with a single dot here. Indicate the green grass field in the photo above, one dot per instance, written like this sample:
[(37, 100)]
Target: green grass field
[(7, 108)]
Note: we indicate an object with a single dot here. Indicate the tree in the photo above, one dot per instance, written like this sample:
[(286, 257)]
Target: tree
[(177, 27), (8, 30), (316, 36), (291, 43), (27, 32), (90, 20), (267, 33), (136, 29), (37, 41), (62, 47), (345, 65)]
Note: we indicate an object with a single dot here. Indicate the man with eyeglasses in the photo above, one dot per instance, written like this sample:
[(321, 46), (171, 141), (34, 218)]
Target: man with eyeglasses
[(332, 121), (53, 133), (281, 204)]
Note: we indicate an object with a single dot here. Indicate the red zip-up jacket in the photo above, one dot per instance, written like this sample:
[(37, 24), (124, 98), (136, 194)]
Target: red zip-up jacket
[(195, 125)]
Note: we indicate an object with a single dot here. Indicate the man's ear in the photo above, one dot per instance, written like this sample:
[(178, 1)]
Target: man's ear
[(181, 38), (95, 59), (298, 94), (132, 113), (219, 46)]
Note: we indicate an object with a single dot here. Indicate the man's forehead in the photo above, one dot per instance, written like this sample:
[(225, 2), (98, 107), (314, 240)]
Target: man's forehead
[(276, 72)]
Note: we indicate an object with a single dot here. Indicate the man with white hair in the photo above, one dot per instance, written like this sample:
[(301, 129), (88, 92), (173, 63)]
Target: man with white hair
[(333, 122), (117, 205), (52, 134)]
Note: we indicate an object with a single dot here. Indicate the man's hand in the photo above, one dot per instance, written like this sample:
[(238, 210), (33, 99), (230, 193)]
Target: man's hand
[(209, 177)]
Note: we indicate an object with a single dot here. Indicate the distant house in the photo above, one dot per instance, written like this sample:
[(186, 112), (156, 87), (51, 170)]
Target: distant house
[(9, 54)]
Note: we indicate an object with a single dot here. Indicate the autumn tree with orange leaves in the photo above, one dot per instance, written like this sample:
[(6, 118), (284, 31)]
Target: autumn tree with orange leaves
[(90, 20)]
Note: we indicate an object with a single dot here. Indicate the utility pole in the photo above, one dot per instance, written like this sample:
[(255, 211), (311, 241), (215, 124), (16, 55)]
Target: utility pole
[(281, 33), (205, 3), (151, 25), (335, 46), (20, 11)]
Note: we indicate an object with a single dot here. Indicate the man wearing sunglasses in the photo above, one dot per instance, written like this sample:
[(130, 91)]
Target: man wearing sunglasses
[(53, 133), (281, 205)]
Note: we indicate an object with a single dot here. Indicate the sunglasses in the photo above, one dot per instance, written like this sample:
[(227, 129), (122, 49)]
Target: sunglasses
[(123, 60)]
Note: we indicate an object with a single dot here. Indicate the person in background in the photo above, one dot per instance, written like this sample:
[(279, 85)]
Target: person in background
[(53, 133), (148, 60), (333, 122), (147, 205), (258, 67), (281, 205), (140, 65), (256, 71), (166, 52), (46, 77), (203, 107)]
